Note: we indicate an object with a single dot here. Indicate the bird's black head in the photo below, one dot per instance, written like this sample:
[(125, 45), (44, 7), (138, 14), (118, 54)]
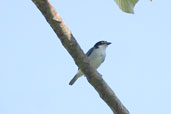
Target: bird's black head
[(102, 43)]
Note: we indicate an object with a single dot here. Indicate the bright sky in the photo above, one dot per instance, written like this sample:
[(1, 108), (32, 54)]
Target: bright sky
[(36, 69)]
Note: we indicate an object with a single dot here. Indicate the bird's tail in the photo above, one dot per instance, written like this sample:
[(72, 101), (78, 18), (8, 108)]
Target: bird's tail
[(73, 80), (75, 77)]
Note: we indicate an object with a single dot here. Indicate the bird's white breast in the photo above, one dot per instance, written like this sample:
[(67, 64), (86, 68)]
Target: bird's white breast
[(98, 56)]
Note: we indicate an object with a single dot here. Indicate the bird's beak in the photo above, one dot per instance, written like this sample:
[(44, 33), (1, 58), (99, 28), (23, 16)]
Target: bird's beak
[(108, 43)]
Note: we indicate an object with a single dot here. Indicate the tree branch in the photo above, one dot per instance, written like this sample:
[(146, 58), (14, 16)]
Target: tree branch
[(71, 45)]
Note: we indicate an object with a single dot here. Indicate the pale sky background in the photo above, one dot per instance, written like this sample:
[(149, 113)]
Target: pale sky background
[(36, 69)]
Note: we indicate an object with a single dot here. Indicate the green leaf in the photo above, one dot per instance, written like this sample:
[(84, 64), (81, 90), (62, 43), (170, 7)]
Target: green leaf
[(126, 5)]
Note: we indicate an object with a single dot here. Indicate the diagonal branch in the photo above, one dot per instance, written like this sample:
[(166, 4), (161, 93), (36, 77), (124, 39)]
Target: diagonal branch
[(71, 45)]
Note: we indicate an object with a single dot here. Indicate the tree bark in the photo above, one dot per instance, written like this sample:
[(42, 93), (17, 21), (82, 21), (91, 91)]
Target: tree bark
[(71, 45)]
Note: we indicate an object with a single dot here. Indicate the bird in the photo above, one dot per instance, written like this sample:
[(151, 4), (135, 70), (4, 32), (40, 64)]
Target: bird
[(96, 56)]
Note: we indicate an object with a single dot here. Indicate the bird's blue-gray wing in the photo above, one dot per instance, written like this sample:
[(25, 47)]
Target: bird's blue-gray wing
[(89, 52)]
